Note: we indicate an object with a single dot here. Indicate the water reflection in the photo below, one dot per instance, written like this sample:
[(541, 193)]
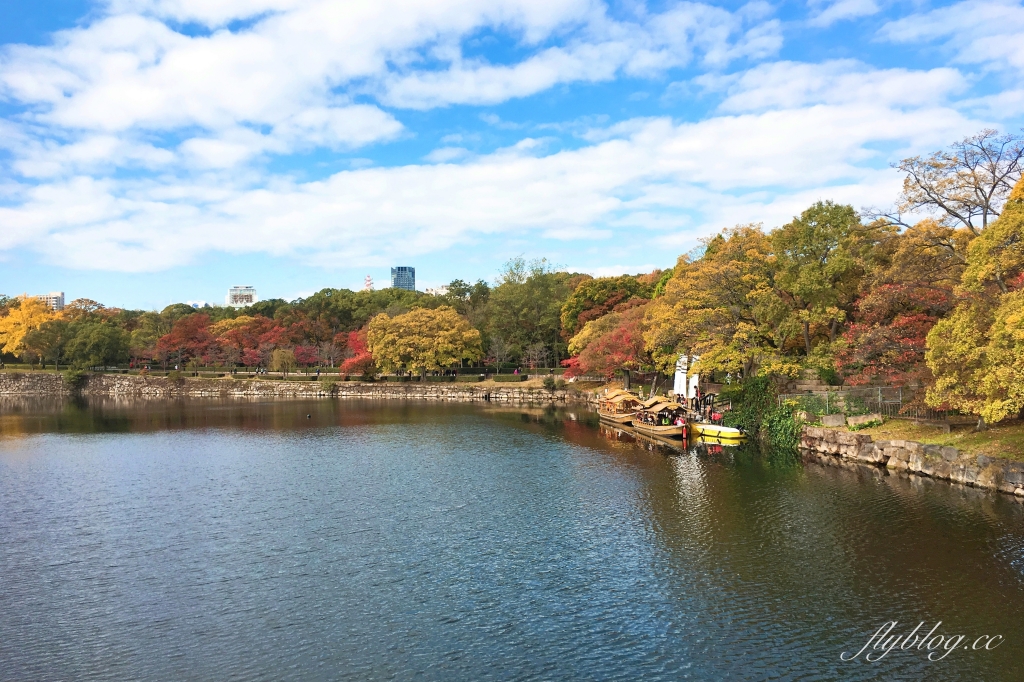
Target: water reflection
[(327, 539)]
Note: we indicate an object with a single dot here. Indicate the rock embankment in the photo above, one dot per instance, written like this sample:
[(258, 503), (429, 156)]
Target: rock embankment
[(935, 461), (127, 386)]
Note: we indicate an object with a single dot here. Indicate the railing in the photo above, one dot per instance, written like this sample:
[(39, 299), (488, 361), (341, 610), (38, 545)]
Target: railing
[(889, 401)]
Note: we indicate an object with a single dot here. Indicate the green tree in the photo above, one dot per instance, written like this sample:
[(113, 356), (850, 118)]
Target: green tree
[(49, 340), (526, 305), (469, 300), (422, 340), (97, 344), (819, 267)]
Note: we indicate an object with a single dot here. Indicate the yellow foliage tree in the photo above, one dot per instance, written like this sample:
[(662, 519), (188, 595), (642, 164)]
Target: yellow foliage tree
[(723, 308), (422, 340), (224, 326), (282, 360), (20, 320), (977, 352)]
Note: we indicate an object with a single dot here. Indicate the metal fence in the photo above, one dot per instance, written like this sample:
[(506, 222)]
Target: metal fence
[(889, 401)]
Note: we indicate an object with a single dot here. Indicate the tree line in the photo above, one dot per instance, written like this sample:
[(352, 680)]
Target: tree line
[(860, 297)]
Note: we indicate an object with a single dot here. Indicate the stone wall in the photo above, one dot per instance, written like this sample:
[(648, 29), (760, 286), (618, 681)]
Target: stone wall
[(119, 385), (935, 461)]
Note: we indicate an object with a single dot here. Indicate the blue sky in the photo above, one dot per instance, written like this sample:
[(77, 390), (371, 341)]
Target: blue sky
[(162, 150)]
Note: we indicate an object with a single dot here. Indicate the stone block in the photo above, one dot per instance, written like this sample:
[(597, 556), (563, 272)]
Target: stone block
[(949, 453), (863, 419), (834, 420), (990, 477)]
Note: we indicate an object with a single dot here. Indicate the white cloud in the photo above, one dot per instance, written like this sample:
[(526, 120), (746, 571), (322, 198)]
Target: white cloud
[(987, 32), (793, 84), (826, 13), (296, 75), (730, 168)]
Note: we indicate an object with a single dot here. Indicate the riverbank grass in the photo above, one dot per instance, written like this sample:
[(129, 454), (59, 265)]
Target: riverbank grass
[(1004, 440)]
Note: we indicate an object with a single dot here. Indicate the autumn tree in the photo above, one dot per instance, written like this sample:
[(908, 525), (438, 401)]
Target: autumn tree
[(27, 315), (189, 338), (596, 297), (499, 352), (422, 340), (282, 360), (723, 308), (910, 288), (977, 352), (358, 359), (966, 184), (612, 343)]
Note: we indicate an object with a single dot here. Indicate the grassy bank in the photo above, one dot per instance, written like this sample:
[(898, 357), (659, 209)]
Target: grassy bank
[(1000, 440)]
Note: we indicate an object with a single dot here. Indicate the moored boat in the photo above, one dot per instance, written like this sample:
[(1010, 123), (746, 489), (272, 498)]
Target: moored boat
[(618, 406), (716, 433), (661, 417)]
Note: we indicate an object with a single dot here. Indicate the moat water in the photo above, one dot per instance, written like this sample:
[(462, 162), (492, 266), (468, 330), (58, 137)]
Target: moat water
[(207, 540)]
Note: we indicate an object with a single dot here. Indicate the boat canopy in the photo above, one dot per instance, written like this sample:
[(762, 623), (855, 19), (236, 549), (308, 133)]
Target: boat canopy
[(651, 402), (665, 406), (622, 399)]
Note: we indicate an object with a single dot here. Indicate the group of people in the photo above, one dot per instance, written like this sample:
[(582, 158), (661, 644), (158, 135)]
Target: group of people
[(664, 418)]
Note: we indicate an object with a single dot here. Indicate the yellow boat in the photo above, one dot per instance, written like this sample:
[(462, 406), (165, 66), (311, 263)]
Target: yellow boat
[(714, 433), (618, 406)]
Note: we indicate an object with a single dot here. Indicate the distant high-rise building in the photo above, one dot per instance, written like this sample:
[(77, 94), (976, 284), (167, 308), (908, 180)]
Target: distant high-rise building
[(403, 277), (368, 283), (54, 300), (240, 296)]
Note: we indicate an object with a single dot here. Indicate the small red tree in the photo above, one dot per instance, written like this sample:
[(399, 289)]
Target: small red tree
[(359, 360)]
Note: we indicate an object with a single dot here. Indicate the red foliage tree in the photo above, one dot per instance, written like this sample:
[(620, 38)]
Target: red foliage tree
[(306, 355), (189, 338), (572, 367), (620, 347), (887, 340), (359, 360)]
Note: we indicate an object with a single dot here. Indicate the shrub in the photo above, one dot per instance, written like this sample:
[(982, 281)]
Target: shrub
[(559, 384), (756, 411), (549, 383), (469, 378), (830, 376), (514, 378), (441, 379), (74, 378), (328, 384)]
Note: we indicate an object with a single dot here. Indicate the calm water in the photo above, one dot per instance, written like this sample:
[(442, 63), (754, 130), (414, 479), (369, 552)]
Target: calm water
[(451, 542)]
